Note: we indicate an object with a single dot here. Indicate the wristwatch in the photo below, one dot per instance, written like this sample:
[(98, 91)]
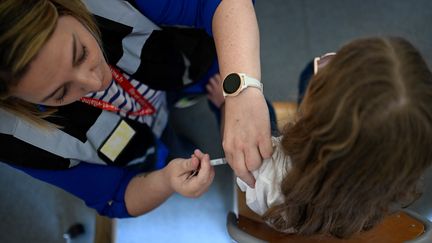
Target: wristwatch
[(234, 83)]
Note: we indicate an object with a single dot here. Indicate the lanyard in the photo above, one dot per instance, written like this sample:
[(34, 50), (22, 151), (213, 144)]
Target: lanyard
[(146, 107)]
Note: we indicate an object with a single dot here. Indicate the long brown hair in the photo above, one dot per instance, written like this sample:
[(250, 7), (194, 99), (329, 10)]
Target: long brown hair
[(361, 141), (25, 27)]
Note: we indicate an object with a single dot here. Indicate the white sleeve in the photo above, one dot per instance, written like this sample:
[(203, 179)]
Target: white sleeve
[(267, 190), (255, 198)]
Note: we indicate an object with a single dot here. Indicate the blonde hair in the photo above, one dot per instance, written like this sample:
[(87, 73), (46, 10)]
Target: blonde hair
[(25, 26), (361, 141)]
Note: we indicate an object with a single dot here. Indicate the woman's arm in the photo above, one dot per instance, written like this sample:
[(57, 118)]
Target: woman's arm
[(246, 135), (233, 23), (100, 187), (147, 191), (121, 192)]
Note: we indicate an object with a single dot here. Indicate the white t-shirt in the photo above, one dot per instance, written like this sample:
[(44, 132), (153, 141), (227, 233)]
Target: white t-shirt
[(267, 191)]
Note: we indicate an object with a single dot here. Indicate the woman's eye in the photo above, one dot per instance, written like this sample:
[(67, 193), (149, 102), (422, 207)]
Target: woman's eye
[(83, 56), (60, 99)]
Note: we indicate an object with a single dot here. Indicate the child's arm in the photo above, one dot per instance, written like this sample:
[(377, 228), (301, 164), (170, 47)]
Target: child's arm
[(147, 191)]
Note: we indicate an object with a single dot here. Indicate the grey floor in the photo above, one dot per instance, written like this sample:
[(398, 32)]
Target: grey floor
[(33, 211), (292, 33)]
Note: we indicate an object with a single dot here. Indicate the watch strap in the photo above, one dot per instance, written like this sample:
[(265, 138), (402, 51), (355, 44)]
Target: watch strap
[(251, 82)]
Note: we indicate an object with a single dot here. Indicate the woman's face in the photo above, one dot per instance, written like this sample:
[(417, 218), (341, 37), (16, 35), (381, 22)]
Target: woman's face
[(68, 67)]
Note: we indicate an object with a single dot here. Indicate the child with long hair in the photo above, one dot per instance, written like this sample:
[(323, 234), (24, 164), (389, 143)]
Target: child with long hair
[(358, 146)]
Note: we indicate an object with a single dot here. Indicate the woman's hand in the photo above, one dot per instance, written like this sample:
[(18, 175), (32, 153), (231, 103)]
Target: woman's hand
[(190, 177), (246, 134), (147, 191)]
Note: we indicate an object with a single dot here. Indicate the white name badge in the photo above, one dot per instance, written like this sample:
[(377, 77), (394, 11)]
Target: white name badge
[(117, 141)]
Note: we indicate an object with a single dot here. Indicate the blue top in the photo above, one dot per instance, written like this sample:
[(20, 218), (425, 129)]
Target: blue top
[(196, 13), (103, 187)]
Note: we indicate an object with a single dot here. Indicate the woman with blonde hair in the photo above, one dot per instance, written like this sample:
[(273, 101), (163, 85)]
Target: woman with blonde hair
[(83, 103)]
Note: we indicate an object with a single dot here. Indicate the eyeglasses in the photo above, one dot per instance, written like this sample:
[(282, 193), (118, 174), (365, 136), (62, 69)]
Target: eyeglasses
[(320, 62)]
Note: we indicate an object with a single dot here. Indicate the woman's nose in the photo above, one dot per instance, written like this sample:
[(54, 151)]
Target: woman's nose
[(90, 81)]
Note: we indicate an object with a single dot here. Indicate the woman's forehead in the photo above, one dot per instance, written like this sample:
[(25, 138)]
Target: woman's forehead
[(54, 58)]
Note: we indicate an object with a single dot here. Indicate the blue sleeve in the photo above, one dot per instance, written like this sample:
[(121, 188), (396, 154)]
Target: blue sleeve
[(196, 13), (101, 187)]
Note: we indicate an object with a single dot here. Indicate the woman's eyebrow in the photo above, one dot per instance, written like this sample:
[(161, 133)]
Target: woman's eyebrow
[(74, 49)]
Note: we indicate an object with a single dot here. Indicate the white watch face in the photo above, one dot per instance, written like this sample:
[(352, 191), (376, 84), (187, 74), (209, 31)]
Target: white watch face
[(232, 83)]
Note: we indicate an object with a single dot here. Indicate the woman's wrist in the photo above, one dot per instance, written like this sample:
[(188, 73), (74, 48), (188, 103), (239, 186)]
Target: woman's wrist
[(146, 192), (167, 179)]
